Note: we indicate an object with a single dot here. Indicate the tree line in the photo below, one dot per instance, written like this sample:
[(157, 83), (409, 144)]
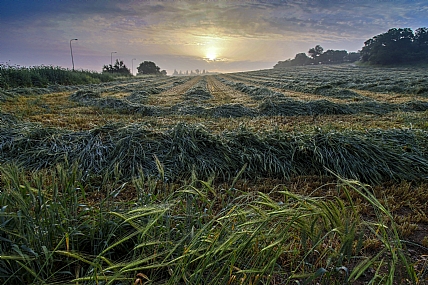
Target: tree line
[(397, 46), (146, 67), (196, 72), (318, 56)]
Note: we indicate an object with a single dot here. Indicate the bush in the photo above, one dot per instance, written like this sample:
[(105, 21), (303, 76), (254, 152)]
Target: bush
[(43, 76)]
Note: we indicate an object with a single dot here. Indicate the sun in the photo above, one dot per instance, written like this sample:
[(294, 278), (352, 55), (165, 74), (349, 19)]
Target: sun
[(211, 54)]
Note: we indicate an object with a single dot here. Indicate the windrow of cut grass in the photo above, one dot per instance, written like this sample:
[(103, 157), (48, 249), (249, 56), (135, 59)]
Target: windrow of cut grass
[(277, 104), (405, 80), (53, 232), (136, 103), (370, 156), (149, 84)]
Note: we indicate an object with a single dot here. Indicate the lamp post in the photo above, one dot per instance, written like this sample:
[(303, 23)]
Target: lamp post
[(132, 61), (111, 57), (71, 50)]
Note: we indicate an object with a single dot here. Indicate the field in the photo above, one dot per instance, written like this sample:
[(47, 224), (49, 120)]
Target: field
[(307, 175)]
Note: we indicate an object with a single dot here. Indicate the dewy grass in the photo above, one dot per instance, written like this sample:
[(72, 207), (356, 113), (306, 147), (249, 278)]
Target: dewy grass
[(53, 232), (371, 156)]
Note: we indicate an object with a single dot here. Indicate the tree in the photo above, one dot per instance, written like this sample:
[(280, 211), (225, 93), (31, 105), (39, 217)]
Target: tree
[(301, 59), (175, 72), (352, 57), (316, 51), (118, 68), (332, 56), (421, 43), (397, 46), (148, 67), (163, 72)]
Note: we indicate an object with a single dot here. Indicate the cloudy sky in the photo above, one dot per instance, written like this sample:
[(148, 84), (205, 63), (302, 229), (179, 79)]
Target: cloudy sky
[(216, 35)]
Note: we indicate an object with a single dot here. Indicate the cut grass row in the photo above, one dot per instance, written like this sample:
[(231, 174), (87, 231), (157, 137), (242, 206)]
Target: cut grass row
[(307, 79), (271, 105), (56, 110), (369, 156)]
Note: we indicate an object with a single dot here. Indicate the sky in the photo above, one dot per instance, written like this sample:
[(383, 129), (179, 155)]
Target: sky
[(212, 35)]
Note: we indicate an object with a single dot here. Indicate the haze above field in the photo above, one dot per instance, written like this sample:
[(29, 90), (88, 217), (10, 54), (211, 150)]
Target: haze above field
[(221, 36)]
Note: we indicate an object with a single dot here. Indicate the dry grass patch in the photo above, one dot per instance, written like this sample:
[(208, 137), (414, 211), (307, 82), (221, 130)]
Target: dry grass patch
[(224, 94), (394, 98), (174, 95), (55, 110)]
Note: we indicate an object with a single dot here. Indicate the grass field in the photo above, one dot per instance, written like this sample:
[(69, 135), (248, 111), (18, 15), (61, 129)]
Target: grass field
[(306, 175)]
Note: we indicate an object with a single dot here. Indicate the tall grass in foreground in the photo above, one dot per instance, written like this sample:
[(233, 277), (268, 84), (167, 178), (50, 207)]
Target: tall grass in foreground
[(57, 229), (42, 76)]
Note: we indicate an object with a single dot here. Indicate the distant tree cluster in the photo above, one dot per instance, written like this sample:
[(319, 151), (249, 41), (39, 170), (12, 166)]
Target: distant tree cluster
[(196, 72), (118, 68), (318, 56), (149, 67), (397, 46)]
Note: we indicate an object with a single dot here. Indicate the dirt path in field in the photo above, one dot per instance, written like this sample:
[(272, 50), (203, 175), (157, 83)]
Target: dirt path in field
[(223, 94), (173, 96)]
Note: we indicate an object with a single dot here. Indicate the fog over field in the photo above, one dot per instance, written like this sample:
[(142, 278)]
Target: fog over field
[(221, 36)]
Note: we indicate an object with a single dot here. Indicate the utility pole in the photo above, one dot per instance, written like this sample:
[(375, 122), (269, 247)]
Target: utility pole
[(132, 61), (71, 50), (111, 57)]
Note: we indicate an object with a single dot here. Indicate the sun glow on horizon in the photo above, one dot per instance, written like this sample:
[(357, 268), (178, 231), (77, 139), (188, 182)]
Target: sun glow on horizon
[(211, 54)]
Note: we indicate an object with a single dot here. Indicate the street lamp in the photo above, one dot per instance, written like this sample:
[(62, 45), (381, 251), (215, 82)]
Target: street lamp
[(71, 50), (132, 61), (111, 57)]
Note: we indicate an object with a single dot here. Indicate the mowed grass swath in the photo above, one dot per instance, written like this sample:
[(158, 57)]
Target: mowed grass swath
[(301, 175)]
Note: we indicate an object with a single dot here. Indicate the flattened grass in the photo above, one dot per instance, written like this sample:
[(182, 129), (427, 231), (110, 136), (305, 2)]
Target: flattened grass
[(370, 156)]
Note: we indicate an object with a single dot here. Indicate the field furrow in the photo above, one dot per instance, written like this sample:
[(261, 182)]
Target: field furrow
[(224, 94), (174, 94)]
